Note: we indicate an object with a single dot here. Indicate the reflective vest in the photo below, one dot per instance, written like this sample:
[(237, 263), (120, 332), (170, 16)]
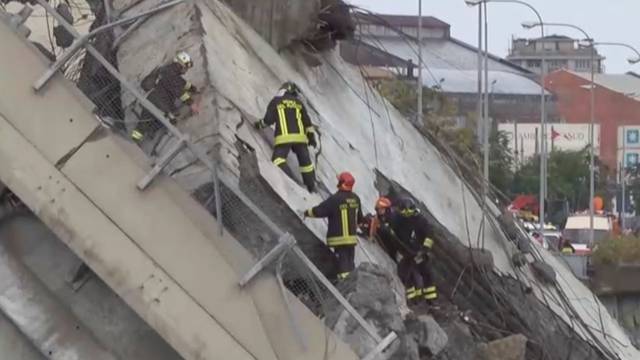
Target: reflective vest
[(291, 119), (344, 213)]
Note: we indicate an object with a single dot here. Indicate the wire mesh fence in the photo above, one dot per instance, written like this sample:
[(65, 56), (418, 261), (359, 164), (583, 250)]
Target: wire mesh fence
[(153, 106)]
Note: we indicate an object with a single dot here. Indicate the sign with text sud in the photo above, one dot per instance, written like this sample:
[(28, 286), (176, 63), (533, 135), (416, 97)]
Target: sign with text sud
[(560, 136)]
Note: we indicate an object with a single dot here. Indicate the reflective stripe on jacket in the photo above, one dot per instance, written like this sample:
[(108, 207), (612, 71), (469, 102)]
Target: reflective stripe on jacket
[(344, 213), (291, 120)]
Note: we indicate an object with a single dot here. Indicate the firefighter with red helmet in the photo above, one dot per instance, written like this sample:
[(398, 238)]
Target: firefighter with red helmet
[(344, 212)]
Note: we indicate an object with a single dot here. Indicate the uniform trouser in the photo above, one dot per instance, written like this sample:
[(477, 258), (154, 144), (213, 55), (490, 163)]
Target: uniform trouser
[(307, 170), (429, 291), (147, 127), (345, 254), (411, 278)]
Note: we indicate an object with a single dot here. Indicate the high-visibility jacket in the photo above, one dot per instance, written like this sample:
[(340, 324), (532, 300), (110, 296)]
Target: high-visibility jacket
[(169, 88), (291, 119), (414, 231), (344, 213), (568, 250)]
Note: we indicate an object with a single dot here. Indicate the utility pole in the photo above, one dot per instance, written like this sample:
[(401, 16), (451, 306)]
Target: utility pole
[(420, 62), (479, 119)]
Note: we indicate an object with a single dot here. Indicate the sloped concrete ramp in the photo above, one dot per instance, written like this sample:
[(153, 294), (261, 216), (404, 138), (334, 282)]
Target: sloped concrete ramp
[(158, 249)]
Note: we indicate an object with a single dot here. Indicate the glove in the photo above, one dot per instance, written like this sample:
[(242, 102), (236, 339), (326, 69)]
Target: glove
[(421, 257), (172, 118), (312, 140), (195, 108), (258, 124), (194, 90)]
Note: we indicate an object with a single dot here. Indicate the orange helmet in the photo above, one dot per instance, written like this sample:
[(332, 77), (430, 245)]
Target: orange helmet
[(346, 181), (383, 203)]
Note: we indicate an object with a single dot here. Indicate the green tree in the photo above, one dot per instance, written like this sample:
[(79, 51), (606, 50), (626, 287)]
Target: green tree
[(500, 162), (439, 121), (568, 178)]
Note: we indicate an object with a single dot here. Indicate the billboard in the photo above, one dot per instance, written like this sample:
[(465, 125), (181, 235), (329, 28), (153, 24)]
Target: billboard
[(560, 136)]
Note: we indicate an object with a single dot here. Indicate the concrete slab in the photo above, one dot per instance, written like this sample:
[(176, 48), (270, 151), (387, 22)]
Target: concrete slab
[(110, 253)]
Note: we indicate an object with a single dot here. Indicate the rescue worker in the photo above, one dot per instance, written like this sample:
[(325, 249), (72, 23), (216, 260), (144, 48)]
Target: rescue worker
[(379, 228), (344, 213), (415, 232), (294, 131), (567, 248), (169, 91)]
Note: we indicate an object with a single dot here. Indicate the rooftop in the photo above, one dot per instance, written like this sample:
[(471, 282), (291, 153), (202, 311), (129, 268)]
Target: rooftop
[(466, 82), (626, 84), (404, 21)]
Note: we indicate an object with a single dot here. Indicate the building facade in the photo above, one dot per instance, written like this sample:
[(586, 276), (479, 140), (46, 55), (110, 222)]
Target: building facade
[(617, 111), (389, 42), (560, 52)]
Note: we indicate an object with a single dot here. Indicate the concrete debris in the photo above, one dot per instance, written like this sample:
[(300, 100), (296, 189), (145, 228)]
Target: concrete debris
[(461, 342), (367, 288), (428, 334), (544, 271), (519, 259), (513, 347), (524, 244)]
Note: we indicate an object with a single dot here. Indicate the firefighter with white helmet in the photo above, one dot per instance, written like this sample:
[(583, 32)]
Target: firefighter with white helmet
[(169, 91)]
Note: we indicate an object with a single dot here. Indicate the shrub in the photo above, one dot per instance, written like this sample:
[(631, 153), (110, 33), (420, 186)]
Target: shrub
[(615, 250)]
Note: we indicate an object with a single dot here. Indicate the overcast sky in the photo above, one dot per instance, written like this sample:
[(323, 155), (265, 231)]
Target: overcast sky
[(604, 20)]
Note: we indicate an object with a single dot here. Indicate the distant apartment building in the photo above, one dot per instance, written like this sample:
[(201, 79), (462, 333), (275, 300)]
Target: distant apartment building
[(560, 52)]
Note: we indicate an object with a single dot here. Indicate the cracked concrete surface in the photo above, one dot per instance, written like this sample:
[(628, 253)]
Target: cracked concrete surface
[(239, 72)]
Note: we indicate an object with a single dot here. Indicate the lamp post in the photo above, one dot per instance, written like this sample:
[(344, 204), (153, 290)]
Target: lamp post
[(589, 39), (543, 126), (623, 166), (420, 111)]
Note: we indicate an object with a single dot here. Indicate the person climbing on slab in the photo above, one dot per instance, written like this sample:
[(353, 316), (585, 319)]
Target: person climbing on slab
[(169, 92), (379, 228), (344, 212), (414, 230), (293, 131)]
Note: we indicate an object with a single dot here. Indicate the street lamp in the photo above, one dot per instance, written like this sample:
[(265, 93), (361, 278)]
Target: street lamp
[(589, 39), (632, 61), (543, 121), (420, 64)]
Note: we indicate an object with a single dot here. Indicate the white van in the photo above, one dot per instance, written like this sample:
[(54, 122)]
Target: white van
[(578, 227)]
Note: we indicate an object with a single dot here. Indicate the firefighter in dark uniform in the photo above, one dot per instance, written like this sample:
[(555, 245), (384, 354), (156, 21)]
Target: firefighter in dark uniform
[(169, 91), (415, 232), (294, 131), (379, 228), (345, 214)]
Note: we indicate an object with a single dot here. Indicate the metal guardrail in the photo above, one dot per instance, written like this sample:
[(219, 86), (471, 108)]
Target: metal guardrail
[(224, 203)]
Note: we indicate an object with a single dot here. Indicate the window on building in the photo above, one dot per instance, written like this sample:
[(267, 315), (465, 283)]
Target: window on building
[(557, 64), (583, 64), (533, 63)]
